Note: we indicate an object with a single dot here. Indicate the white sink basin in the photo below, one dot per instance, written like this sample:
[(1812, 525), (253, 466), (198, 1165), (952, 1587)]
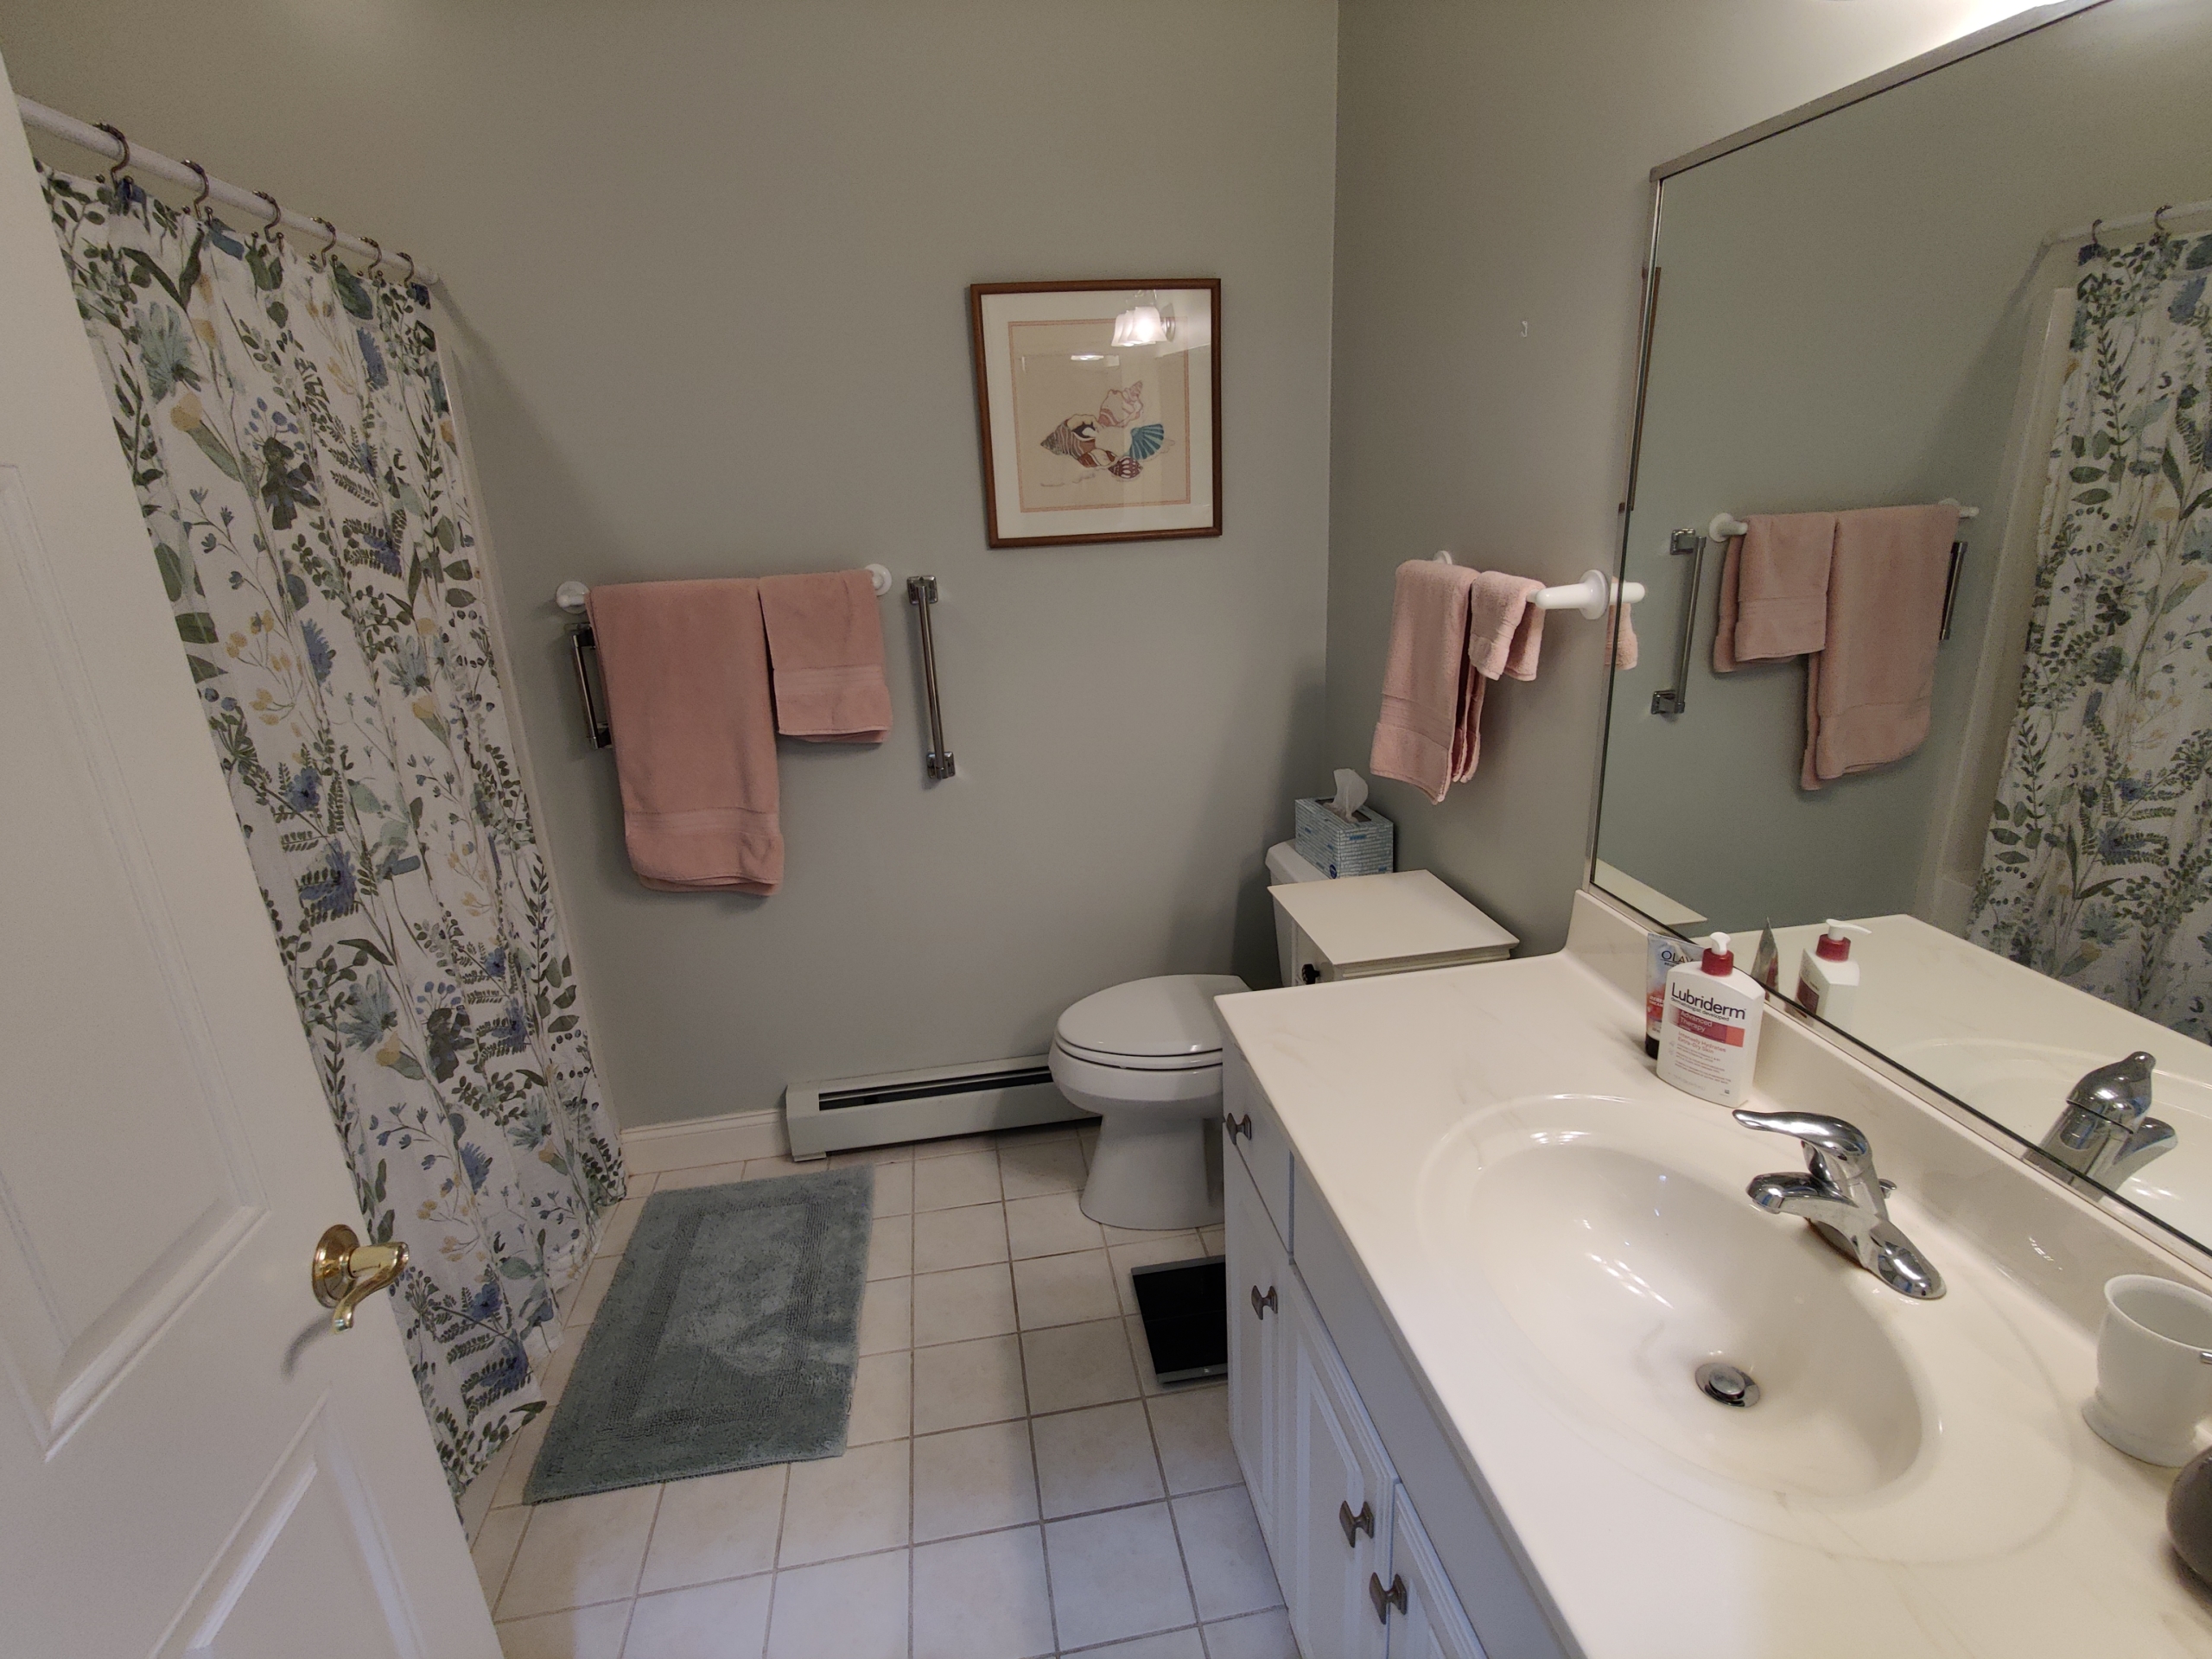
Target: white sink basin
[(2024, 1087), (1611, 1243)]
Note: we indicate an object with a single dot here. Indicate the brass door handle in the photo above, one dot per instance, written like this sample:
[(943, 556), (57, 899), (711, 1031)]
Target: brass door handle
[(346, 1272)]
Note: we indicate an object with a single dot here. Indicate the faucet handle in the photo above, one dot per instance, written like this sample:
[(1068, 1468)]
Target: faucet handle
[(2120, 1092), (1831, 1134)]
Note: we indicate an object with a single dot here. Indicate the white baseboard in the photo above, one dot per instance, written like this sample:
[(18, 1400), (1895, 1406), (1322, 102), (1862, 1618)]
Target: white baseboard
[(724, 1140)]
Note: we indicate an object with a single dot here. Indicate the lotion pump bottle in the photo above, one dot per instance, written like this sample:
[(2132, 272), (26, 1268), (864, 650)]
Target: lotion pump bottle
[(1827, 979), (1709, 1033)]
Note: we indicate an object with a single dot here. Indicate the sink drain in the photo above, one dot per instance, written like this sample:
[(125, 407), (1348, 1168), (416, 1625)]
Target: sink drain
[(1723, 1382)]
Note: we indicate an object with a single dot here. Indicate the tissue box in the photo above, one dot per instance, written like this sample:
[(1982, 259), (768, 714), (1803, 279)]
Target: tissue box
[(1366, 846)]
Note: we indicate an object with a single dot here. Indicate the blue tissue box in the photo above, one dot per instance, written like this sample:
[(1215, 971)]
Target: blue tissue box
[(1368, 845)]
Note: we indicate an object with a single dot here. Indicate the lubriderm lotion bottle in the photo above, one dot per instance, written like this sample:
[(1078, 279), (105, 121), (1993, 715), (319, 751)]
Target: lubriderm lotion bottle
[(1709, 1032)]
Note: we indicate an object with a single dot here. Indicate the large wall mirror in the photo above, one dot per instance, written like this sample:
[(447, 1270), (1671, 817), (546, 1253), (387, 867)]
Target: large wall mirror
[(1982, 734)]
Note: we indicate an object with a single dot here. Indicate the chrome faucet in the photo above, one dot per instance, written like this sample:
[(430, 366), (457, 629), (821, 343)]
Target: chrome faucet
[(2107, 1131), (1843, 1199)]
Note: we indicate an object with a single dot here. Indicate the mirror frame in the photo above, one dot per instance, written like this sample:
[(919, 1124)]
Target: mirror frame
[(2197, 1253)]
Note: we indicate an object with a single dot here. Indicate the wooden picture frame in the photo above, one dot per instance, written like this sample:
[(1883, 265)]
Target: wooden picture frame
[(1099, 407)]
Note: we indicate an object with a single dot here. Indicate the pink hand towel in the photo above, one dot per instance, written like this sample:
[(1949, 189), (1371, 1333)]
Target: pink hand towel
[(1869, 690), (1505, 633), (1428, 684), (1774, 588), (825, 644), (686, 666)]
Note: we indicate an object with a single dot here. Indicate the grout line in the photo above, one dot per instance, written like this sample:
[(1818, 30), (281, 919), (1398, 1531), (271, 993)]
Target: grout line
[(1174, 1520), (1029, 1431)]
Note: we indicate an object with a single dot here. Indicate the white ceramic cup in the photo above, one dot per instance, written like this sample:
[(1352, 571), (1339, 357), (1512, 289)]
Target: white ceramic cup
[(2154, 1369)]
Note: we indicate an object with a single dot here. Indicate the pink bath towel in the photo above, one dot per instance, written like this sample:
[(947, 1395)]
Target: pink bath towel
[(686, 666), (825, 647), (1429, 683), (1869, 689), (1774, 588)]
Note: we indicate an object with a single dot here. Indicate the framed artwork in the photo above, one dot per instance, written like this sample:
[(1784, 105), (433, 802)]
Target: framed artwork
[(1101, 410)]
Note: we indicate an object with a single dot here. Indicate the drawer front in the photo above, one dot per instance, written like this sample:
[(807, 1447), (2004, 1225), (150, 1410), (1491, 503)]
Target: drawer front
[(1250, 1124)]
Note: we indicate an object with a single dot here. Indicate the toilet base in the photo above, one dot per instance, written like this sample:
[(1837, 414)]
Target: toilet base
[(1150, 1171)]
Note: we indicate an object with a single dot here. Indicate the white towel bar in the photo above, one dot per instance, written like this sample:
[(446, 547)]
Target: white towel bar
[(1594, 595)]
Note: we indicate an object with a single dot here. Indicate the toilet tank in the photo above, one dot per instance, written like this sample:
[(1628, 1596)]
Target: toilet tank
[(1284, 867)]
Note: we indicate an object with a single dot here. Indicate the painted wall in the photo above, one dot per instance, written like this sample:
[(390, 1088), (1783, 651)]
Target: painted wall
[(708, 265), (1844, 313), (1492, 167)]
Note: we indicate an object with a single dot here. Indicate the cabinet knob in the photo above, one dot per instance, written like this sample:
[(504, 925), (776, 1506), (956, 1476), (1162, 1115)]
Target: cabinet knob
[(1356, 1524), (1310, 974), (1384, 1601), (1237, 1126), (1261, 1303)]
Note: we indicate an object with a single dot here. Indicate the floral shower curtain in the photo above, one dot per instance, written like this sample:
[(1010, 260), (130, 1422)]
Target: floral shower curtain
[(2099, 863), (287, 428)]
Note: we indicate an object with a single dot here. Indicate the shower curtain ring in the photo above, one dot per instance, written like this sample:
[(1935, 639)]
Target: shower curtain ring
[(330, 231), (203, 186), (408, 280), (2159, 222), (376, 265), (275, 226), (116, 170)]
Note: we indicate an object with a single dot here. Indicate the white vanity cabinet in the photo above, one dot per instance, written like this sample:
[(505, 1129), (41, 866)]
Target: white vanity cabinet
[(1357, 1572), (1258, 1281), (1430, 1625), (1333, 1500)]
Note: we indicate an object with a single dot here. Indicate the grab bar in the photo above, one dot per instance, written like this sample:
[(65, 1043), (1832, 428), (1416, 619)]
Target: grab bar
[(921, 594), (580, 641), (1677, 697)]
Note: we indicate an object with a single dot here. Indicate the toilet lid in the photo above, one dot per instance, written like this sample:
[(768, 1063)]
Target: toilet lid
[(1168, 1021)]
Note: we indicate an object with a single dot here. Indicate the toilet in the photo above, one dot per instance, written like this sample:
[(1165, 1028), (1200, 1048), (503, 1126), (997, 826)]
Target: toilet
[(1146, 1058)]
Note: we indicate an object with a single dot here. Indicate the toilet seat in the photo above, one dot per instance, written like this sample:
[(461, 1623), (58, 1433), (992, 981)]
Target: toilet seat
[(1164, 1024)]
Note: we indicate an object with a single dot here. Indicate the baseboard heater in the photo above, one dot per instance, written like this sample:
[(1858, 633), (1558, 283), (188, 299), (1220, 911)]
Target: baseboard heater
[(841, 1113)]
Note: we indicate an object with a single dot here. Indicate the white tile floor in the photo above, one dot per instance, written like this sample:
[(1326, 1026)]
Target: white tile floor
[(1017, 1485)]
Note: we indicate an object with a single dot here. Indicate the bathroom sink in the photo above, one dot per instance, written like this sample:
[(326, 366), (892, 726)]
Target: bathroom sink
[(2023, 1086), (1611, 1243)]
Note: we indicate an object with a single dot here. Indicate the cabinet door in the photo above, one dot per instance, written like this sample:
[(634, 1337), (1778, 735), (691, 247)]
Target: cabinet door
[(1335, 1503), (1259, 1298), (1432, 1624)]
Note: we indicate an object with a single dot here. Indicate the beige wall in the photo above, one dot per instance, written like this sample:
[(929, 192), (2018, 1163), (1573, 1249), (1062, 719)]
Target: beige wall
[(1492, 160), (708, 266)]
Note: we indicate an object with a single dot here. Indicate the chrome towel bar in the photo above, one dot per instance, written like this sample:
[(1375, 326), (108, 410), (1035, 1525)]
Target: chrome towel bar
[(921, 594)]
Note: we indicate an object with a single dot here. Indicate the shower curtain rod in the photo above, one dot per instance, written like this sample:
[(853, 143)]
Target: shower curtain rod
[(129, 157), (2134, 221)]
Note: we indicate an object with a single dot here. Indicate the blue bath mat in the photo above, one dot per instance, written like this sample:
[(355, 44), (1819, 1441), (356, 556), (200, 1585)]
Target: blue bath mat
[(727, 1338)]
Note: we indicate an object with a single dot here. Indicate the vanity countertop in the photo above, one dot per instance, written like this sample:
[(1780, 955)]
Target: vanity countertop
[(2006, 1528)]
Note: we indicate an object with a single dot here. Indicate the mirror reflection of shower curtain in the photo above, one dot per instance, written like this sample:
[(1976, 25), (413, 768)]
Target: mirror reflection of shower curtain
[(2098, 866)]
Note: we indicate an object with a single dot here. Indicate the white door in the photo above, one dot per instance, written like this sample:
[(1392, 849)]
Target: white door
[(1334, 1512), (1259, 1293), (191, 1460), (1433, 1625)]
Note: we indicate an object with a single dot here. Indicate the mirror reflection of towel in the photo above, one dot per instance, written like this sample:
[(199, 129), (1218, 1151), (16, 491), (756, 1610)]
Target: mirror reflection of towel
[(1870, 690), (1859, 594)]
